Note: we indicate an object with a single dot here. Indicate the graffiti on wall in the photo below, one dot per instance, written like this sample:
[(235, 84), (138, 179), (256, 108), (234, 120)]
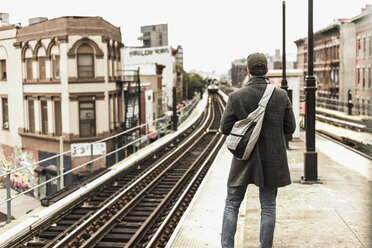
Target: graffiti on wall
[(12, 158)]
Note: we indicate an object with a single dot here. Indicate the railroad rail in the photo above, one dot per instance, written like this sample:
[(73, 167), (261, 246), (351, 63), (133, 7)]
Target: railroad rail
[(131, 209)]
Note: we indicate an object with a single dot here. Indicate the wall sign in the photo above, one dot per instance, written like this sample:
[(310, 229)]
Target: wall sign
[(83, 149), (148, 52)]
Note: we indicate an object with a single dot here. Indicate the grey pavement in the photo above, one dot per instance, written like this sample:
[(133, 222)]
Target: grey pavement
[(335, 213), (20, 206)]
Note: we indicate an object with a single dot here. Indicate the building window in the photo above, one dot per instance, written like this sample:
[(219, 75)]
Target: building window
[(363, 108), (369, 77), (369, 107), (2, 69), (55, 65), (370, 46), (85, 62), (4, 102), (87, 119), (113, 68), (29, 73), (41, 63), (44, 117), (31, 116), (358, 76), (364, 46), (363, 77), (58, 118), (358, 47), (54, 57)]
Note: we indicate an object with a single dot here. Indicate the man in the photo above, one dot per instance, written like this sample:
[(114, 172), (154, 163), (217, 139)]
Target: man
[(267, 167)]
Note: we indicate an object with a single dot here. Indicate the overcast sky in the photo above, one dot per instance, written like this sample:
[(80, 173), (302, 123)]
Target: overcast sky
[(212, 32)]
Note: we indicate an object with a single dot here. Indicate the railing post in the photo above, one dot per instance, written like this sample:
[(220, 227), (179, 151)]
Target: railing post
[(8, 203), (91, 158), (61, 164), (42, 179), (350, 102), (174, 116), (58, 170), (116, 150)]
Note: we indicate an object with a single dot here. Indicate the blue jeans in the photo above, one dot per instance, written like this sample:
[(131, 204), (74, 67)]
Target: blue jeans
[(230, 216)]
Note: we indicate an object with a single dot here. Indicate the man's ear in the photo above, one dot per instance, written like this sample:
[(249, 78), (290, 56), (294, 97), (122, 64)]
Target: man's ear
[(267, 69), (249, 72)]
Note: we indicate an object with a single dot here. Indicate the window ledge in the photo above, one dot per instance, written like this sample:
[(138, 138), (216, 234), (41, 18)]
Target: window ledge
[(41, 81), (86, 80), (3, 79), (36, 135)]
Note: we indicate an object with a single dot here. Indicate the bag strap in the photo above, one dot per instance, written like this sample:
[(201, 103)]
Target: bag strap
[(266, 95)]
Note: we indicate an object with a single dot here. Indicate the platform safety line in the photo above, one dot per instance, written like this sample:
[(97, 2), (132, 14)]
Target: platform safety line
[(96, 214), (184, 216)]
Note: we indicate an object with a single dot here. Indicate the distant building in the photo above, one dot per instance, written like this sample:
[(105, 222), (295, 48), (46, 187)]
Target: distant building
[(179, 55), (276, 62), (333, 60), (151, 73), (363, 54), (172, 72), (343, 60), (154, 35), (238, 72)]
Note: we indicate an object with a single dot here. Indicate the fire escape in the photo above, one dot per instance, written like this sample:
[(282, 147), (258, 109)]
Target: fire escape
[(130, 84)]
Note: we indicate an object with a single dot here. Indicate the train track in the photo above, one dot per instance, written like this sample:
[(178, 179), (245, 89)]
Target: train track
[(128, 210)]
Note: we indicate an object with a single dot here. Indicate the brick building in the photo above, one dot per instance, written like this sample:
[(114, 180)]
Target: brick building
[(342, 60), (363, 54), (154, 35), (238, 71)]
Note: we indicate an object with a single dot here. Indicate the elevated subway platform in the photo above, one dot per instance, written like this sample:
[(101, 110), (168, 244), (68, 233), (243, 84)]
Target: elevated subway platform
[(336, 213)]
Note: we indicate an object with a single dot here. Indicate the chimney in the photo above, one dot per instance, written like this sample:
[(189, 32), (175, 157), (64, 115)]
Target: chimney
[(277, 55), (4, 19), (37, 20)]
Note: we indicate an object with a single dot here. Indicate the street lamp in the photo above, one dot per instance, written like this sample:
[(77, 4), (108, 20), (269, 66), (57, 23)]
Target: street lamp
[(284, 77), (310, 155)]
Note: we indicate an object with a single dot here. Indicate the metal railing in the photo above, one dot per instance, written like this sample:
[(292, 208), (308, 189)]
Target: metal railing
[(357, 108), (162, 126)]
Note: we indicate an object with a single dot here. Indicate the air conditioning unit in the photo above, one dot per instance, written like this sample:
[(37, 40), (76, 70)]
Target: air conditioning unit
[(4, 19), (6, 125)]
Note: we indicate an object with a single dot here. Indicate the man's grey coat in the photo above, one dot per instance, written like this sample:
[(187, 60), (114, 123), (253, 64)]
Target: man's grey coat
[(268, 164)]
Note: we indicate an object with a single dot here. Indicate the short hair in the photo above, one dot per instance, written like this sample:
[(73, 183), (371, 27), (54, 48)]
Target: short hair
[(258, 70)]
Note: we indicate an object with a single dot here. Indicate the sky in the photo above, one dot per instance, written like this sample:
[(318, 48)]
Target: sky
[(212, 32)]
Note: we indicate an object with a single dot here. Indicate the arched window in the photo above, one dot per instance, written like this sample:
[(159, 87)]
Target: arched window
[(85, 61), (41, 62), (54, 53), (113, 60), (28, 62), (109, 57)]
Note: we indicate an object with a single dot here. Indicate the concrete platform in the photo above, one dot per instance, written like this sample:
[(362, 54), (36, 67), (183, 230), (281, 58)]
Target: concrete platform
[(336, 213)]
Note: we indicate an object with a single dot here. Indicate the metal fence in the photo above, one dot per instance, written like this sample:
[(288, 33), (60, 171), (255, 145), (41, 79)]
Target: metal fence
[(162, 127), (357, 108)]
